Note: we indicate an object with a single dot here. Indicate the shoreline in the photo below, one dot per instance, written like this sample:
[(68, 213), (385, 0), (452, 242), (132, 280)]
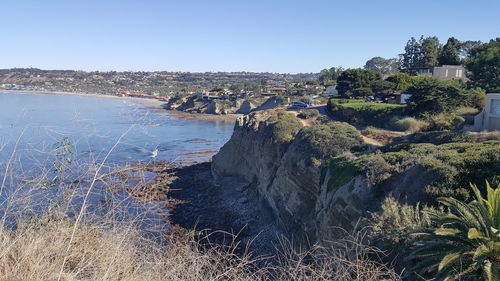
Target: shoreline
[(153, 104), (186, 116)]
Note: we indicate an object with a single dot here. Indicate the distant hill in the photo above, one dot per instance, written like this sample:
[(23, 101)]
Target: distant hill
[(161, 82)]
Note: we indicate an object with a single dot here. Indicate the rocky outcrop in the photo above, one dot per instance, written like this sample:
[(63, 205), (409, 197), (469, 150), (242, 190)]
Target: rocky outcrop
[(309, 197), (213, 107), (245, 107), (194, 105), (270, 103), (249, 155)]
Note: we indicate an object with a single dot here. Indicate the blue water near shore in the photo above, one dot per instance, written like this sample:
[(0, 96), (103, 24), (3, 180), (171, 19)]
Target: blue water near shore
[(33, 126), (93, 126)]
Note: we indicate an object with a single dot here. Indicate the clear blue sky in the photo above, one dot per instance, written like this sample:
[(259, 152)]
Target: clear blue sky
[(211, 35)]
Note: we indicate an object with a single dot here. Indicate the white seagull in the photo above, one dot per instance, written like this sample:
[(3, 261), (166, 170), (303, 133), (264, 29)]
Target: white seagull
[(154, 153)]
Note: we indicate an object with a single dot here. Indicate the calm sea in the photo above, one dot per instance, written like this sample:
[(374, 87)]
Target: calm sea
[(39, 131), (94, 125)]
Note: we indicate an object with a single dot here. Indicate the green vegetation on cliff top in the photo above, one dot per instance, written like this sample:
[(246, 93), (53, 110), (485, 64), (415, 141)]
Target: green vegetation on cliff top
[(283, 126), (449, 158), (452, 164), (362, 112), (329, 139)]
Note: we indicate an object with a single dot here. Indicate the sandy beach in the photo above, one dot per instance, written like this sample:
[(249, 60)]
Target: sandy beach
[(150, 102), (153, 104)]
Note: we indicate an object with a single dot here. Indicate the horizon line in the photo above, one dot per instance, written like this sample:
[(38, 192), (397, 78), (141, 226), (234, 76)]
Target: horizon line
[(171, 71)]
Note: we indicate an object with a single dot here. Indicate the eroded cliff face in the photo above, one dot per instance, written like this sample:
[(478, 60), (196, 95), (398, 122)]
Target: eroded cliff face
[(194, 105), (309, 199), (250, 155)]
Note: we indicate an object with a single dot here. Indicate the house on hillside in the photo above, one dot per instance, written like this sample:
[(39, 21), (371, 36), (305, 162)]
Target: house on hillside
[(443, 72), (211, 96), (275, 91), (317, 87), (489, 118)]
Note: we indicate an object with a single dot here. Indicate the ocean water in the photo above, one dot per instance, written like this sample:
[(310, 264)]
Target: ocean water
[(40, 133), (94, 125)]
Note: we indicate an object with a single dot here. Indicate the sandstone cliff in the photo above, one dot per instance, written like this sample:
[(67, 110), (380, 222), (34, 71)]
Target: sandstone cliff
[(192, 104), (317, 179), (286, 177)]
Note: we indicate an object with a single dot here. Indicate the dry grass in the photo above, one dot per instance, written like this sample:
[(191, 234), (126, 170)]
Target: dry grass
[(466, 111), (37, 249), (380, 135), (408, 124), (55, 232), (486, 136)]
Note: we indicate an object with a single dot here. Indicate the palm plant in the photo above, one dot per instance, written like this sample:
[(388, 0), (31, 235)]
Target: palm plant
[(466, 244)]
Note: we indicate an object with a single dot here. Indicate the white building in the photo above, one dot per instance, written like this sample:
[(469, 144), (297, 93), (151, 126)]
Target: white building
[(489, 118), (331, 91)]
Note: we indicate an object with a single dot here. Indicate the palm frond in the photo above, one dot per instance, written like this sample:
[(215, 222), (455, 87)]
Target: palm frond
[(466, 243)]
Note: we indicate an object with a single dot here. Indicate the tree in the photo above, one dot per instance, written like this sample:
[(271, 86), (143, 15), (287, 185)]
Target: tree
[(484, 66), (383, 87), (361, 92), (450, 53), (252, 86), (429, 49), (401, 81), (329, 76), (433, 96), (466, 243), (421, 53), (466, 47), (236, 88), (217, 89), (382, 66), (411, 57), (352, 79)]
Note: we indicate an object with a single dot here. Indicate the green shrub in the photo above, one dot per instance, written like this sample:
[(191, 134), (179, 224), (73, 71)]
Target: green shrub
[(445, 121), (440, 137), (365, 113), (391, 228), (394, 222), (283, 126), (330, 139), (377, 168), (342, 171), (431, 96), (308, 113), (451, 164), (407, 124)]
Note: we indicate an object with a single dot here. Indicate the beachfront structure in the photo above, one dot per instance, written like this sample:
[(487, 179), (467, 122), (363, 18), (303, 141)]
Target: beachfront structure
[(489, 118)]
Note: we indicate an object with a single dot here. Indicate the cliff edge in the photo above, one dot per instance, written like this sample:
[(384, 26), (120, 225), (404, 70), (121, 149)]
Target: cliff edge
[(320, 178)]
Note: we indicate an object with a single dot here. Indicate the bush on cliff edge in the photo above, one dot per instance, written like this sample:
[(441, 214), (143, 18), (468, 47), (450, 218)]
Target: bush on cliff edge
[(330, 139), (283, 126)]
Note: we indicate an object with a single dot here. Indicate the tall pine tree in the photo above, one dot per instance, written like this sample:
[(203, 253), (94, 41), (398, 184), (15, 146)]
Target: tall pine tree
[(450, 54)]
